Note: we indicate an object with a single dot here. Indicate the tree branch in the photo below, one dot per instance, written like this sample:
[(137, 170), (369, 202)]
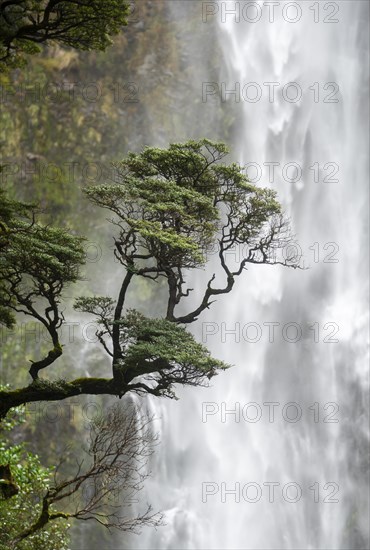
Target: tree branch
[(40, 390)]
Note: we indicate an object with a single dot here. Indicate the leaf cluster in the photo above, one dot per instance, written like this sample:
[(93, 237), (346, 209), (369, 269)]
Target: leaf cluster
[(166, 201), (36, 261), (162, 347), (81, 24)]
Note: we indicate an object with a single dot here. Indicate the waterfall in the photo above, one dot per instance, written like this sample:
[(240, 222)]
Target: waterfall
[(295, 449)]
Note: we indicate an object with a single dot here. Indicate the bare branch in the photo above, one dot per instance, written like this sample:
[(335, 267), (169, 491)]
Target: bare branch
[(114, 470)]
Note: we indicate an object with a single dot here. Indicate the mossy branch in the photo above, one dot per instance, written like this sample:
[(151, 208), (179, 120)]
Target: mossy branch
[(41, 390)]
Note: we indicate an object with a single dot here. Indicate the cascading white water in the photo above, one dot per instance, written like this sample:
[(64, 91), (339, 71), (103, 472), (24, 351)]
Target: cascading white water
[(325, 452)]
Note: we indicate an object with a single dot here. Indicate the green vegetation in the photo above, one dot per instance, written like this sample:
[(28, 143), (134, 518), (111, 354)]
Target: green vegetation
[(24, 25), (169, 206), (23, 508)]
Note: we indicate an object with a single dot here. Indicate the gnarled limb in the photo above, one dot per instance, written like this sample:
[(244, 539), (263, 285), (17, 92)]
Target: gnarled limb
[(57, 391)]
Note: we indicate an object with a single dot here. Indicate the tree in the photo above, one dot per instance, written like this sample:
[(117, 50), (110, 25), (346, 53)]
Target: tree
[(81, 24), (170, 207), (109, 474), (36, 264)]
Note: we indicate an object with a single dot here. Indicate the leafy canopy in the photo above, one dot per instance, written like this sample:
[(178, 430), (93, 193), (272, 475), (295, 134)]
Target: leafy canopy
[(171, 203), (25, 24), (36, 260)]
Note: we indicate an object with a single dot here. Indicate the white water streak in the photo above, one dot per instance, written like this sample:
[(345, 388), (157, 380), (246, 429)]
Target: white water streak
[(306, 372)]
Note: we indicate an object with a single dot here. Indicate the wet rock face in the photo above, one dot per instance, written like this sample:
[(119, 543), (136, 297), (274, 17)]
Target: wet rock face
[(70, 113)]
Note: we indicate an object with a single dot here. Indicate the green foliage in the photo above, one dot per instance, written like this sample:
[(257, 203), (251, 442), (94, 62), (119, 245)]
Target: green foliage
[(147, 339), (36, 260), (24, 508), (169, 201), (50, 255), (165, 351), (25, 24), (9, 212), (171, 221), (158, 345), (8, 209)]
